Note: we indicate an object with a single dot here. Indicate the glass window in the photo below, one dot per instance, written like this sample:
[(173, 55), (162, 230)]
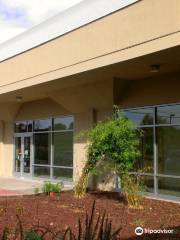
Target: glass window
[(146, 159), (42, 148), (168, 142), (168, 114), (43, 172), (142, 116), (169, 186), (18, 152), (59, 173), (30, 126), (42, 125), (148, 183), (21, 127), (64, 123), (63, 148)]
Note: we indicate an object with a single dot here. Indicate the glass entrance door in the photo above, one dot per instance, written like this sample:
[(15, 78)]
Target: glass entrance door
[(23, 154)]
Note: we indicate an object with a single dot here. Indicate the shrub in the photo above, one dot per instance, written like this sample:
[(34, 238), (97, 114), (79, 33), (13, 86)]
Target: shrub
[(112, 144), (52, 187)]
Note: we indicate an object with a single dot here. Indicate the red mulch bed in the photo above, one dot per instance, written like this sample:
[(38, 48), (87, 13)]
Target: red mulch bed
[(64, 210)]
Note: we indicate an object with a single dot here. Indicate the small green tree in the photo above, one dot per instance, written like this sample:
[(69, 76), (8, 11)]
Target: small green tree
[(111, 144)]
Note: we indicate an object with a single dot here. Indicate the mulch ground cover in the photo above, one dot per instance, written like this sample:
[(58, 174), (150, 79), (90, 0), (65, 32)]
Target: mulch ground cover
[(64, 210)]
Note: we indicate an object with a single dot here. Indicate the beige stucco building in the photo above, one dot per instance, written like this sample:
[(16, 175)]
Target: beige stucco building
[(128, 55)]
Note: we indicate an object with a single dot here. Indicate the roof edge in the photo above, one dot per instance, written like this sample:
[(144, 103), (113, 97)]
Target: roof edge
[(71, 19)]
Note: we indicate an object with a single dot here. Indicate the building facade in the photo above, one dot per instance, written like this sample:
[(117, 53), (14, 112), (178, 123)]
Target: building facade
[(126, 55)]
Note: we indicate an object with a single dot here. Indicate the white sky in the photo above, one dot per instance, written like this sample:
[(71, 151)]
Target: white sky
[(17, 16)]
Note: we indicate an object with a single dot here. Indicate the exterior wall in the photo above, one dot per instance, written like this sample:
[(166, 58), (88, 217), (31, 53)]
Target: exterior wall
[(124, 35), (83, 121), (151, 91), (6, 149), (1, 146), (40, 109)]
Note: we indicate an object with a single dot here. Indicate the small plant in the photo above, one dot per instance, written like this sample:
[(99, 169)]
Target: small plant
[(52, 187), (19, 209), (93, 228), (97, 229), (138, 222), (5, 233), (32, 235)]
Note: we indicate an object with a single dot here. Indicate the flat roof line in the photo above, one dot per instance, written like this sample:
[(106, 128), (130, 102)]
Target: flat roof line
[(73, 18)]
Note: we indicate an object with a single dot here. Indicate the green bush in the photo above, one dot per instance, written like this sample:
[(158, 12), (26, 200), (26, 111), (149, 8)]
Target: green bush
[(52, 187), (112, 145), (32, 235)]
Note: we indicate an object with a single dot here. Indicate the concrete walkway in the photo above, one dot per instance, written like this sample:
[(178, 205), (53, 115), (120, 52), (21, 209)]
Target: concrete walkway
[(17, 186)]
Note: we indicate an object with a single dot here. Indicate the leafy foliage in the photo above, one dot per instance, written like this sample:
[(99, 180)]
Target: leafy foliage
[(32, 235), (52, 187), (112, 144)]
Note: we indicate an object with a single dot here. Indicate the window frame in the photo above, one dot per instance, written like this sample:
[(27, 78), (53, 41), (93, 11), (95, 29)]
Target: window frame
[(155, 125), (51, 165)]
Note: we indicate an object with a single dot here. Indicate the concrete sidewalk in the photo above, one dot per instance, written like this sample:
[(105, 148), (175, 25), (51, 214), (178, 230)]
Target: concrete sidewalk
[(18, 186)]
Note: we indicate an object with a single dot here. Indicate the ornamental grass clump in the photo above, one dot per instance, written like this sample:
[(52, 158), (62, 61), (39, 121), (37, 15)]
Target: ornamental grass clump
[(131, 191)]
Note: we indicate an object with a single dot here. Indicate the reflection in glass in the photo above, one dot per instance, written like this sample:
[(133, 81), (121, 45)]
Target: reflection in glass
[(63, 148), (27, 152), (169, 186), (30, 126), (168, 114), (168, 142), (18, 154), (63, 123), (43, 172), (148, 183), (142, 116), (42, 125), (146, 158), (42, 148), (62, 173), (20, 127)]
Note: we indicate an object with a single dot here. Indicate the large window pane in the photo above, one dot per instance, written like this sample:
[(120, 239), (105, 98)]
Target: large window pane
[(42, 125), (142, 116), (18, 152), (63, 148), (43, 172), (148, 183), (20, 127), (59, 173), (168, 114), (42, 148), (169, 186), (30, 126), (63, 123), (168, 139), (146, 159)]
